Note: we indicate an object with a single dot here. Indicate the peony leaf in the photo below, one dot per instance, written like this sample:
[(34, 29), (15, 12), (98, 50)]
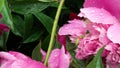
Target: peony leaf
[(45, 20), (97, 61), (36, 53), (1, 4)]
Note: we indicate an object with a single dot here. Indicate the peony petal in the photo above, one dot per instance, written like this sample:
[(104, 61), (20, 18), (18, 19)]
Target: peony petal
[(62, 39), (112, 6), (113, 33), (75, 27), (7, 56), (17, 60), (97, 15), (58, 59)]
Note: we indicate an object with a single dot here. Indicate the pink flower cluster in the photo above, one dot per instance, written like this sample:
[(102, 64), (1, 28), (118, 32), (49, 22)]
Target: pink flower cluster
[(100, 27)]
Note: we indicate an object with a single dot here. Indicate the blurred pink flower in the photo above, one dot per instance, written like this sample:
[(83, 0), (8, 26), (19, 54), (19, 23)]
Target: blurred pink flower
[(13, 59), (59, 58)]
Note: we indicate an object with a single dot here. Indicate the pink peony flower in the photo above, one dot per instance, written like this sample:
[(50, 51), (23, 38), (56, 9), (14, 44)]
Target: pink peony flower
[(13, 59), (87, 47), (113, 57), (59, 59)]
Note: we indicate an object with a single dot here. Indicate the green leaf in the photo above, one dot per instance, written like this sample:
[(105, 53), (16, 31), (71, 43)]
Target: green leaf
[(3, 40), (45, 20), (7, 19), (75, 62), (97, 61), (1, 4), (26, 7), (36, 53), (47, 0), (18, 25), (28, 24), (119, 66), (33, 37), (6, 13)]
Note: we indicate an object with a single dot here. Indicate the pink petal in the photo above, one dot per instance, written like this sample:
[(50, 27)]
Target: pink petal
[(113, 33), (58, 59), (112, 6), (4, 27), (18, 55), (18, 60), (62, 39), (43, 54), (98, 15), (0, 15), (75, 27)]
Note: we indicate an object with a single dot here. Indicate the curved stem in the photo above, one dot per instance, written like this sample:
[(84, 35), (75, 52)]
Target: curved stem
[(54, 30)]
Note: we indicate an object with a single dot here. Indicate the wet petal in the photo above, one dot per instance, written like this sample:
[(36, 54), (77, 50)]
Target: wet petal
[(112, 6), (75, 28), (97, 15), (58, 59)]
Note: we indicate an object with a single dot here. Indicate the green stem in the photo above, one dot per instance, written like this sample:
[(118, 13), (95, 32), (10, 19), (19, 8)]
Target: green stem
[(54, 31)]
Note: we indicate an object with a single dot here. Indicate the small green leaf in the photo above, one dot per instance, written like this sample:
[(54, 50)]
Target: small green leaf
[(1, 4), (18, 25), (45, 20), (97, 61), (36, 53), (3, 40)]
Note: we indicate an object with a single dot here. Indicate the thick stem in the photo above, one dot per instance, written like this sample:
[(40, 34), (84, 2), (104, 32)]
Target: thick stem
[(54, 31)]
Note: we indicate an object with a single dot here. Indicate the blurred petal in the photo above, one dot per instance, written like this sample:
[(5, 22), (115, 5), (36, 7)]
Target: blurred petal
[(97, 15), (113, 33), (58, 59), (43, 54), (17, 60)]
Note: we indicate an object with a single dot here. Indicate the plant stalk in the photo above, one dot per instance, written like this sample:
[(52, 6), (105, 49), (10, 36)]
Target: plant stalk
[(54, 31)]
